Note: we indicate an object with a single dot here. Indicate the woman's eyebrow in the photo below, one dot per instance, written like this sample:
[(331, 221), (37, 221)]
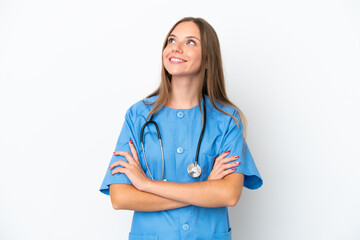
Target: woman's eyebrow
[(172, 35)]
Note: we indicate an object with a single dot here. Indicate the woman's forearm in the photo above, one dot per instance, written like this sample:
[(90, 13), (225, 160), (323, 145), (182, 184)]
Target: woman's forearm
[(213, 193), (126, 196)]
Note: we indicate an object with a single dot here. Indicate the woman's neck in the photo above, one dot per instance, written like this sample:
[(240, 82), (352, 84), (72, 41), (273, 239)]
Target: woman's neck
[(184, 93)]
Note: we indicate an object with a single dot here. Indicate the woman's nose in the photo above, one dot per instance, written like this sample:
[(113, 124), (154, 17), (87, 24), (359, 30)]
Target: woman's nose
[(176, 48)]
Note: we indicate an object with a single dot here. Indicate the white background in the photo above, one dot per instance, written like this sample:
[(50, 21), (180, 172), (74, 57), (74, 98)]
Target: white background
[(70, 69)]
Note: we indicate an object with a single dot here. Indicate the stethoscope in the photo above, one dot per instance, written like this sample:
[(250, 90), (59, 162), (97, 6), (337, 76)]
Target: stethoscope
[(194, 168)]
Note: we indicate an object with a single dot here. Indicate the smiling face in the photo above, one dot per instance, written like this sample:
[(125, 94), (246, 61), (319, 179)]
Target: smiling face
[(182, 55)]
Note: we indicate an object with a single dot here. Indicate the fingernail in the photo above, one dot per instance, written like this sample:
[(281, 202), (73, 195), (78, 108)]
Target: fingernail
[(233, 169), (236, 157), (130, 141), (114, 153), (237, 163), (227, 151)]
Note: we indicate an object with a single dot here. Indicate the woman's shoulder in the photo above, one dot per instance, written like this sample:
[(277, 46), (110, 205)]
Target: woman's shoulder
[(142, 106), (226, 108), (225, 118)]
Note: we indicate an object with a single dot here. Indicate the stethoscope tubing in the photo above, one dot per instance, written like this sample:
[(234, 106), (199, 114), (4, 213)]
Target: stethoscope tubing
[(161, 146)]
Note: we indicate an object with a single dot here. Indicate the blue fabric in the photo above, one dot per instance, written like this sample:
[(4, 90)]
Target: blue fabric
[(180, 130)]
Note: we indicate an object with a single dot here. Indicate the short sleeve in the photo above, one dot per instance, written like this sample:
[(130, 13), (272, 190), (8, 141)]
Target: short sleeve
[(233, 140), (127, 132)]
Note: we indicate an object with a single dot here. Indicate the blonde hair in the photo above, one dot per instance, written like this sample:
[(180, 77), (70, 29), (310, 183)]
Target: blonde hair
[(213, 83)]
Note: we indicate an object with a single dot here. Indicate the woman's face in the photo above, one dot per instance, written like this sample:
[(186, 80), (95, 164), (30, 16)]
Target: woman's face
[(182, 55)]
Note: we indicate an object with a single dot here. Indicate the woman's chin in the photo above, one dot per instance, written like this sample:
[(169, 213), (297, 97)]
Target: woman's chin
[(183, 74)]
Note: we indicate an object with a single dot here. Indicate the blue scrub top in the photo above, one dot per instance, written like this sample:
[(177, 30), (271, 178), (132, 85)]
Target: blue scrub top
[(180, 130)]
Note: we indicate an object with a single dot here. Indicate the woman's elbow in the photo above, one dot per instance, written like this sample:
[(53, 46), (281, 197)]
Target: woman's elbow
[(116, 201), (235, 187), (115, 204), (234, 199)]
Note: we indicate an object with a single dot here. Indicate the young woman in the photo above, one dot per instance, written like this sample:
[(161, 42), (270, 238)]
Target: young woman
[(181, 158)]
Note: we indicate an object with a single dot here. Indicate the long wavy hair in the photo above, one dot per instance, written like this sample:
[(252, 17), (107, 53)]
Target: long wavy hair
[(212, 84)]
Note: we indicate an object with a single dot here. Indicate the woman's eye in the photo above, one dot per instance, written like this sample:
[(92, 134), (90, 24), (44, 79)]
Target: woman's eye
[(191, 42), (170, 40)]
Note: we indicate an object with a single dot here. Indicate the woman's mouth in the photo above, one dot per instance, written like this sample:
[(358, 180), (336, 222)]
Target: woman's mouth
[(176, 60)]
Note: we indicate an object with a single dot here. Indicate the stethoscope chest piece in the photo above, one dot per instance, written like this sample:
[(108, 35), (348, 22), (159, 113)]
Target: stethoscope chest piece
[(194, 170)]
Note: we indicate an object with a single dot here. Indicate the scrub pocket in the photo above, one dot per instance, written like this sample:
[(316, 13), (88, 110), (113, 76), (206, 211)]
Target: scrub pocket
[(222, 236), (142, 237)]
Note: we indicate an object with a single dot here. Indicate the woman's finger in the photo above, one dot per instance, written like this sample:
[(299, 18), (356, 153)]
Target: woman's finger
[(229, 165), (223, 164), (226, 172), (221, 161), (118, 170), (133, 151), (127, 155), (221, 156), (224, 154), (228, 159), (119, 163)]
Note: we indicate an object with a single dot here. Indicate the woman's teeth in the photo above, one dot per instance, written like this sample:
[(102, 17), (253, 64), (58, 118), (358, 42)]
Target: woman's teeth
[(176, 60)]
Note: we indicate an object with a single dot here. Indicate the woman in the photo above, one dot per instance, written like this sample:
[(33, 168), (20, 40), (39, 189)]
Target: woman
[(200, 130)]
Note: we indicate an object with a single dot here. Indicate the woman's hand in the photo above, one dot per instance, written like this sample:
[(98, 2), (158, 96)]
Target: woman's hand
[(132, 169), (221, 166)]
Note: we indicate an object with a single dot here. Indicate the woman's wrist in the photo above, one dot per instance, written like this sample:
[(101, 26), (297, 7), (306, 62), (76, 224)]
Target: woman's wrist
[(147, 185)]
